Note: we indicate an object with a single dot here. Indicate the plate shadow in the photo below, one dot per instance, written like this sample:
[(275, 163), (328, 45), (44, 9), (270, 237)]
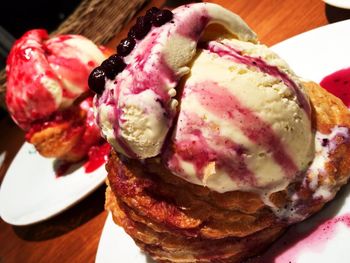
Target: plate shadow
[(336, 14)]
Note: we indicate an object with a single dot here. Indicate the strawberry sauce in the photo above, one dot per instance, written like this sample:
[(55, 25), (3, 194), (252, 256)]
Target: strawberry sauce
[(338, 83), (97, 156)]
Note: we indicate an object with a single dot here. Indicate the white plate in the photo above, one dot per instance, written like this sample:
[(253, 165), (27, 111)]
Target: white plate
[(312, 55), (339, 3), (31, 191)]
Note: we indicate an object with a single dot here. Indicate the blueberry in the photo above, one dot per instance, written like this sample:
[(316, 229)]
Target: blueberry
[(97, 80), (143, 26), (118, 62), (162, 17), (148, 18), (113, 65), (132, 32), (125, 46), (152, 11), (108, 67)]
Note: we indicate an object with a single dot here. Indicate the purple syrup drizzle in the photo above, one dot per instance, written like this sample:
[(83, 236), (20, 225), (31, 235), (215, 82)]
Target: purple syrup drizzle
[(224, 105), (192, 27), (338, 83), (159, 74), (226, 51), (301, 238), (192, 145)]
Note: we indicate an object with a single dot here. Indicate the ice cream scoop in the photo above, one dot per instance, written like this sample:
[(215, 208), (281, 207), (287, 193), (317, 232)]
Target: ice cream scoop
[(244, 121), (47, 74), (138, 107)]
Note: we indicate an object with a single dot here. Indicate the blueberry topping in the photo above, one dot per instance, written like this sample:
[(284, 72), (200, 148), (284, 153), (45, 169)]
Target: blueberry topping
[(325, 142), (142, 27), (132, 32), (113, 65), (152, 11), (97, 80), (143, 24), (162, 17), (108, 67), (119, 62), (125, 46), (148, 18)]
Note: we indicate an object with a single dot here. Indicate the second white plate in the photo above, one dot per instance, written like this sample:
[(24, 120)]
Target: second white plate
[(31, 191)]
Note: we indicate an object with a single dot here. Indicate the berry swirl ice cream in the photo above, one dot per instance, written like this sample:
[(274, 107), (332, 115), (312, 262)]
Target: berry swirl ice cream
[(138, 106), (47, 92), (47, 74), (243, 122)]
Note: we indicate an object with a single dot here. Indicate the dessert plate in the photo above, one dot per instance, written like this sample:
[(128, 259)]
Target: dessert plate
[(339, 3), (325, 237), (31, 191)]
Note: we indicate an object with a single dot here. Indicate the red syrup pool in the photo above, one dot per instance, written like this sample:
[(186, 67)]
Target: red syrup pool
[(97, 156), (300, 242), (338, 83)]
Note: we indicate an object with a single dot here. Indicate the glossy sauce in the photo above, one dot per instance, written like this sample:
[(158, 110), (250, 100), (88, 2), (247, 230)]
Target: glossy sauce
[(338, 83), (97, 156), (298, 241)]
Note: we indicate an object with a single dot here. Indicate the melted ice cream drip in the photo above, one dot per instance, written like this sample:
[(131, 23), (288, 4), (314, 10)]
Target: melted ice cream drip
[(325, 144)]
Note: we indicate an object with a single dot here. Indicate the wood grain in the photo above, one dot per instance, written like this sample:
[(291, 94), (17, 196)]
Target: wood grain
[(73, 236)]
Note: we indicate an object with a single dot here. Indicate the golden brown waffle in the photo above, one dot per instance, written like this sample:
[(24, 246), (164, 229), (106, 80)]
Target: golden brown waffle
[(176, 221), (57, 140)]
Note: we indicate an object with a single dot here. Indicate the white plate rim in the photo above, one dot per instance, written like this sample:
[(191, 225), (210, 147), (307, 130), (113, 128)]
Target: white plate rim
[(338, 3), (38, 216)]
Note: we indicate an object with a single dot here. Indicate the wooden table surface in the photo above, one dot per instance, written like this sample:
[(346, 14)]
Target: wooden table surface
[(73, 235)]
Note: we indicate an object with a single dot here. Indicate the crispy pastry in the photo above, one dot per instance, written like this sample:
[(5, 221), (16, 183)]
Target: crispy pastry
[(67, 135), (176, 221)]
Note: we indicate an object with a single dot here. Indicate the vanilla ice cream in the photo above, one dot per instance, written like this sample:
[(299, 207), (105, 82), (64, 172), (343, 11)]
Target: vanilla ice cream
[(44, 75), (238, 120), (137, 108), (244, 121)]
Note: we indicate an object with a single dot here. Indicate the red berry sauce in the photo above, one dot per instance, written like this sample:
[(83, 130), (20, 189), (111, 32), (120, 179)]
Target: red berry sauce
[(300, 239), (338, 83), (97, 156)]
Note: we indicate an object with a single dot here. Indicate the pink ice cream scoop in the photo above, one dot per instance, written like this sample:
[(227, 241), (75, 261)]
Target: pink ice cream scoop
[(45, 75)]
